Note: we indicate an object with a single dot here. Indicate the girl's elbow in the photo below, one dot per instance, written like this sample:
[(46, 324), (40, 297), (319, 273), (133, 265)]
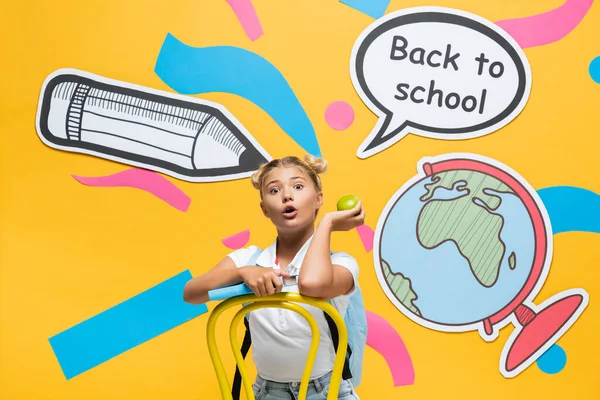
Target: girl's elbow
[(189, 294), (311, 288)]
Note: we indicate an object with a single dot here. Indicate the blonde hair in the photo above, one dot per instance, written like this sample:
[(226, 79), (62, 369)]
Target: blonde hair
[(311, 165)]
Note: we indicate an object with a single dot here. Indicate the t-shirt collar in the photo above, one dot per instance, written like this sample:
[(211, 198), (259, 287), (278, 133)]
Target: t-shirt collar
[(268, 257)]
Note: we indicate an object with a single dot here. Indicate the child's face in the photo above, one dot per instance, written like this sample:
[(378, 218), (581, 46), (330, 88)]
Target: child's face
[(290, 198)]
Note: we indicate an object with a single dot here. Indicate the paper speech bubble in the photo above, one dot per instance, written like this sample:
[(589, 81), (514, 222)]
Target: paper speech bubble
[(437, 72)]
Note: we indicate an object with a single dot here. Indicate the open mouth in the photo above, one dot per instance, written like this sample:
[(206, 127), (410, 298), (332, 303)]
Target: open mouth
[(290, 212)]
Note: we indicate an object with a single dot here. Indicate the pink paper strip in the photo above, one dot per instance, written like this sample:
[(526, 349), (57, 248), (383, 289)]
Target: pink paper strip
[(238, 240), (549, 27), (366, 236), (148, 181), (246, 14), (386, 341)]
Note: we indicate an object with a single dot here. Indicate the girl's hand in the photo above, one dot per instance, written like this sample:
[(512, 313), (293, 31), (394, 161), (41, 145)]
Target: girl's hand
[(263, 281), (347, 219)]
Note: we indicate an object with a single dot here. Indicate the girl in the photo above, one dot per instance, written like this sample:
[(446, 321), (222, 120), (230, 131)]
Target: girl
[(291, 196)]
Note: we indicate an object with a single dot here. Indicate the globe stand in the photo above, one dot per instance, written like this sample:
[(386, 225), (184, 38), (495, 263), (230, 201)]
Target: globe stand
[(536, 332)]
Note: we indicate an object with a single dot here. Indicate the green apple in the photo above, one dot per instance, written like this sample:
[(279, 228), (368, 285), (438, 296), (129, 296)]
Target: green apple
[(347, 202)]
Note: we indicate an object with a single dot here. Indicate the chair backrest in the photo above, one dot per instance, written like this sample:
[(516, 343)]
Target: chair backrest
[(355, 319), (281, 300)]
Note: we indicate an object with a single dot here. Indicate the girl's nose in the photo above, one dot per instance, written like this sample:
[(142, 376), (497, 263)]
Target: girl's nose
[(287, 195)]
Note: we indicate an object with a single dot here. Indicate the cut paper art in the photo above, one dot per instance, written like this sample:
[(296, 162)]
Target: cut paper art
[(238, 240), (553, 360), (571, 208), (246, 14), (187, 138), (437, 72), (142, 179), (548, 27), (124, 326), (228, 69), (466, 245), (366, 236), (594, 69), (339, 115), (383, 338), (372, 8)]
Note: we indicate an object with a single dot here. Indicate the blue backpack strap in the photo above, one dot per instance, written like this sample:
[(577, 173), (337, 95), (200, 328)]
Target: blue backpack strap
[(335, 338), (237, 379), (254, 257), (356, 321)]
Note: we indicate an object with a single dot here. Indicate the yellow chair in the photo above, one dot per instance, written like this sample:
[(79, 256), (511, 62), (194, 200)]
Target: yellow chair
[(281, 300)]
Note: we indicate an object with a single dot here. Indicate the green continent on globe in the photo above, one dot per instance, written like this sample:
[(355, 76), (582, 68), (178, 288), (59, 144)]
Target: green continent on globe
[(512, 260), (401, 287), (472, 227)]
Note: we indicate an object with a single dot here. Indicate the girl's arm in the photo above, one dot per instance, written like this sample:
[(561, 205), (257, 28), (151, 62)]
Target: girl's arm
[(318, 276), (262, 281), (223, 274)]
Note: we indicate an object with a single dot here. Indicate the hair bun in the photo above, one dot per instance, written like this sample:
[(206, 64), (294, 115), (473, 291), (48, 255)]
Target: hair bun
[(257, 176), (319, 165)]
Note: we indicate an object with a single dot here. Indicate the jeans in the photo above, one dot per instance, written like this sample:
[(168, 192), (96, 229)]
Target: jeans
[(317, 389)]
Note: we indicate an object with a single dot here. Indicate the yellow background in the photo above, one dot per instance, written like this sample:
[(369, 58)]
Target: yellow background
[(68, 252)]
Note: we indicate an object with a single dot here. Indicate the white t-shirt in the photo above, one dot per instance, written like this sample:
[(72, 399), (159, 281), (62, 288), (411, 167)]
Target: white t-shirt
[(281, 338)]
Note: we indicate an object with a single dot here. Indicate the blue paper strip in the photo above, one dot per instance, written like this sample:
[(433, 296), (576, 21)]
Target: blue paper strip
[(196, 70), (572, 208), (373, 8), (124, 326)]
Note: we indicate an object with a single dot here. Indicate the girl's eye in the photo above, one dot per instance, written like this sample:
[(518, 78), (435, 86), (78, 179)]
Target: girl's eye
[(298, 186), (274, 190)]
